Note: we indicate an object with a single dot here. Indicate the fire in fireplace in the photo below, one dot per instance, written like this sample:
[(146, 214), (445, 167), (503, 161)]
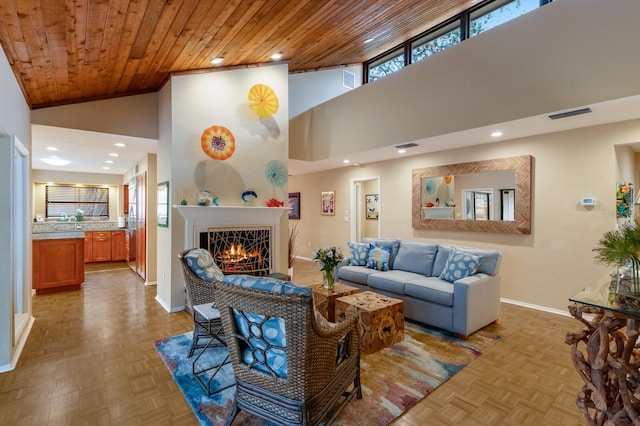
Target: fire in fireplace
[(245, 250)]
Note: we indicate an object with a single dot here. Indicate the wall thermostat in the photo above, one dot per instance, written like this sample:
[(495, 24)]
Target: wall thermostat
[(588, 201)]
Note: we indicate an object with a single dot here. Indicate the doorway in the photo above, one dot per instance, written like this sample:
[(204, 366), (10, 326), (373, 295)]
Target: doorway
[(365, 208)]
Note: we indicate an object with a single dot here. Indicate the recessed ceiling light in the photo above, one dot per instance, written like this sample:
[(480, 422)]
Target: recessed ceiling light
[(109, 161), (496, 134), (52, 148), (217, 61), (113, 154), (402, 151), (369, 40), (276, 56), (106, 168), (56, 161), (346, 161), (119, 145)]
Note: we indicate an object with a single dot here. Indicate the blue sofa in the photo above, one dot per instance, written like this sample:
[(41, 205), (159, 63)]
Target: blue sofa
[(454, 288)]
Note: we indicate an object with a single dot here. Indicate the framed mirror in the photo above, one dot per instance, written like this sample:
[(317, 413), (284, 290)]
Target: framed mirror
[(470, 197), (163, 204)]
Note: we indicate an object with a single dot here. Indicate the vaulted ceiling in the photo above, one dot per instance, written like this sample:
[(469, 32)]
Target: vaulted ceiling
[(66, 51)]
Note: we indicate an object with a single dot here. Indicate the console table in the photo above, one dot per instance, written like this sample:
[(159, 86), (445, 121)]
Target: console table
[(606, 354)]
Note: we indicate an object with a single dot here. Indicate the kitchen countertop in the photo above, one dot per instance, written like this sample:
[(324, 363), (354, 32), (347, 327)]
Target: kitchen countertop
[(57, 235)]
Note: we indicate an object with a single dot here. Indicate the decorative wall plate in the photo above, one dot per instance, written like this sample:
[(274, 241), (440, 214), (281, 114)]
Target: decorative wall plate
[(218, 142), (276, 173), (263, 100)]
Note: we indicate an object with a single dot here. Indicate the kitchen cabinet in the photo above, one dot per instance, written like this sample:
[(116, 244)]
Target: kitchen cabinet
[(101, 246), (58, 265), (88, 247), (118, 246)]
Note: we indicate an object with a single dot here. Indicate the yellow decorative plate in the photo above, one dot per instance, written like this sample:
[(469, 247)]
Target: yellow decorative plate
[(263, 100)]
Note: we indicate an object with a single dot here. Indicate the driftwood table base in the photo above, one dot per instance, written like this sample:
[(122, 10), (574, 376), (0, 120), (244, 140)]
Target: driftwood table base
[(607, 356)]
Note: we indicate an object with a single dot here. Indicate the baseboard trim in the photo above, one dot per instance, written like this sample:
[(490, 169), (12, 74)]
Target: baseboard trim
[(536, 307)]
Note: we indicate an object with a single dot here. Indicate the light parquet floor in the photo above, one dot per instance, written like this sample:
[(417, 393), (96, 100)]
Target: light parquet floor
[(90, 360)]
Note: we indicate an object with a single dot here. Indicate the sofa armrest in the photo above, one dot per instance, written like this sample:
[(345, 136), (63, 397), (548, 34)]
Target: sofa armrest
[(476, 302)]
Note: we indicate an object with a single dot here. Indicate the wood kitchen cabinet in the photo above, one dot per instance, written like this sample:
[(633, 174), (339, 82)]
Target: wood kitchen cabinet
[(58, 265), (118, 245), (101, 246), (88, 247)]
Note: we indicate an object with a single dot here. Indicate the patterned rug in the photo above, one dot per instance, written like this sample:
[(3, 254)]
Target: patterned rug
[(393, 379)]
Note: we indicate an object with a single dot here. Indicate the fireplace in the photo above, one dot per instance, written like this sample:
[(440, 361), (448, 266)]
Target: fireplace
[(240, 249), (199, 220)]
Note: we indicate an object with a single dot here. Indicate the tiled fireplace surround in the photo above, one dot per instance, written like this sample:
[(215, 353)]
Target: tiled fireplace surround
[(199, 219)]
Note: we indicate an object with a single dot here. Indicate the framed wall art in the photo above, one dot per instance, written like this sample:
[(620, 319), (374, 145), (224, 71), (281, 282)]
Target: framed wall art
[(371, 204), (294, 205), (163, 204), (328, 203)]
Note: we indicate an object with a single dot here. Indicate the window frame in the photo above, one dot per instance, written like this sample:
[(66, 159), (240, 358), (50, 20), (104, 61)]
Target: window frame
[(75, 201)]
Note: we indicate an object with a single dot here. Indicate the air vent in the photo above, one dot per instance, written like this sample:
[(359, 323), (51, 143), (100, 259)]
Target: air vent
[(348, 79), (406, 145), (570, 113)]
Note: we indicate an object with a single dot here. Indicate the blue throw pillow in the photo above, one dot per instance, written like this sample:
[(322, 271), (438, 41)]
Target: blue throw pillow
[(359, 254), (201, 263), (459, 265), (379, 258)]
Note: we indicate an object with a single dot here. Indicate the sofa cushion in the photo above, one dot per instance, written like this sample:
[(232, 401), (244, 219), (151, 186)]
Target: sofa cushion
[(354, 274), (393, 244), (391, 281), (441, 259), (359, 253), (490, 261), (460, 264), (416, 257), (379, 258), (431, 289)]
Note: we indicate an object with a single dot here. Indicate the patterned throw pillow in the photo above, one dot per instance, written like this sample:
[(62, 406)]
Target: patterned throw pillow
[(201, 263), (379, 258), (459, 265), (265, 342), (359, 254)]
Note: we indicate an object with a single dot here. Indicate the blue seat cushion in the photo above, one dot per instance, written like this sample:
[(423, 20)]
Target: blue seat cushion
[(203, 266), (270, 285), (263, 342), (431, 289), (354, 274)]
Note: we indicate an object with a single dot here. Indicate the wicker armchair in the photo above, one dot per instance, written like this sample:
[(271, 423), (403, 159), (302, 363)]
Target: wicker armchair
[(291, 366)]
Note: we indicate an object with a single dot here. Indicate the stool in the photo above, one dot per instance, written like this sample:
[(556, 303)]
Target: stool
[(207, 325)]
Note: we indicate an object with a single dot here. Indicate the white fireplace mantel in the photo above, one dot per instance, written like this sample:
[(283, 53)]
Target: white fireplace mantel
[(199, 218)]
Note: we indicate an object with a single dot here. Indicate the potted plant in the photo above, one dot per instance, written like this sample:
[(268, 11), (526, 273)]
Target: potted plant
[(621, 248)]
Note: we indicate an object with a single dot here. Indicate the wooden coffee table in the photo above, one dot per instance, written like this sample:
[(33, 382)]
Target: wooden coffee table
[(380, 319), (325, 300)]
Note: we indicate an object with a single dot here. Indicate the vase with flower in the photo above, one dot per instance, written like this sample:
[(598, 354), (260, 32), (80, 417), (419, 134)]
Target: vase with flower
[(328, 258)]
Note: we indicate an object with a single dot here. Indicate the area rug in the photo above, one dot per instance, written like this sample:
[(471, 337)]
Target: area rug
[(393, 379)]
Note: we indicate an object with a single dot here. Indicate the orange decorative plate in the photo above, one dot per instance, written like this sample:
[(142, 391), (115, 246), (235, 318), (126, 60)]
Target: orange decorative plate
[(263, 100), (218, 142)]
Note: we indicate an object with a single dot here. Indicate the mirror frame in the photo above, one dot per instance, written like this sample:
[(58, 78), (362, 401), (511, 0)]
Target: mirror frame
[(522, 166)]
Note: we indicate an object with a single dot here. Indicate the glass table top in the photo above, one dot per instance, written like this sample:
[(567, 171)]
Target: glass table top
[(602, 295)]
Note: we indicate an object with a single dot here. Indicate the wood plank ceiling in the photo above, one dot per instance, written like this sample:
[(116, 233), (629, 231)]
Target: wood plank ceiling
[(66, 51)]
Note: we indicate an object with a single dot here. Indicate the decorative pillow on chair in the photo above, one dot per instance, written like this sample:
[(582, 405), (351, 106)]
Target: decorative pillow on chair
[(379, 258), (201, 263), (459, 265), (359, 253), (271, 285)]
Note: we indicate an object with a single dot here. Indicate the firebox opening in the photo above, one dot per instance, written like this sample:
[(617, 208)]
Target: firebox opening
[(240, 250)]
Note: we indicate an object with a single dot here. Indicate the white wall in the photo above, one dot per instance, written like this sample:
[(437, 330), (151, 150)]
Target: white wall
[(193, 103), (565, 54), (308, 89), (14, 119), (544, 268)]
